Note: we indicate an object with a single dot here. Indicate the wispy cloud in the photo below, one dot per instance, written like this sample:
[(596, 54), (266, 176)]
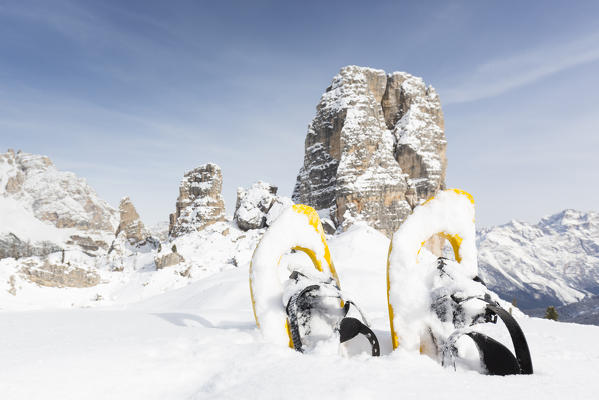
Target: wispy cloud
[(499, 76)]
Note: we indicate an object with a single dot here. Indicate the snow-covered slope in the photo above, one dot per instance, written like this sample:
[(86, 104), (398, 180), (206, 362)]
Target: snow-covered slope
[(201, 342), (553, 262)]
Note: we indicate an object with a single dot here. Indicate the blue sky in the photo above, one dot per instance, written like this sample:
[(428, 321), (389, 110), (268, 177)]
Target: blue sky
[(130, 94)]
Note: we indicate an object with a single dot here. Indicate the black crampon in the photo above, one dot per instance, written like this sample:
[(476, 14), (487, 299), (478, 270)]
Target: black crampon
[(496, 358), (311, 299)]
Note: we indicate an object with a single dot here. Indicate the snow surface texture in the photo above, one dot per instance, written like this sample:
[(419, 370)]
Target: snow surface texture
[(412, 272), (553, 262), (295, 228), (201, 342)]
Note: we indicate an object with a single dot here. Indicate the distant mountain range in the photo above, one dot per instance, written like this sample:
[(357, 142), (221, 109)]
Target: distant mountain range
[(553, 262)]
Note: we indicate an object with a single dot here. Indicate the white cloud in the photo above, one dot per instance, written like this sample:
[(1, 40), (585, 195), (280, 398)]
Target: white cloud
[(499, 76)]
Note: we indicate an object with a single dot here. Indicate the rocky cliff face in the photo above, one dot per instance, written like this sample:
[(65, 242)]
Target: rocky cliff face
[(258, 206), (200, 202), (44, 204), (55, 196), (374, 150)]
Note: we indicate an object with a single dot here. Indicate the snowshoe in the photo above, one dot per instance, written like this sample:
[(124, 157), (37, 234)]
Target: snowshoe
[(314, 314), (434, 302), (309, 309), (464, 307)]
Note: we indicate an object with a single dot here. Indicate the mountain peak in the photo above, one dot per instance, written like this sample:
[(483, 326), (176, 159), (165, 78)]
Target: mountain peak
[(553, 262)]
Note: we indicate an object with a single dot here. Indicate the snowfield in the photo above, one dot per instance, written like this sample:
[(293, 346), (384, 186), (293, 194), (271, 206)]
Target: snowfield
[(201, 342)]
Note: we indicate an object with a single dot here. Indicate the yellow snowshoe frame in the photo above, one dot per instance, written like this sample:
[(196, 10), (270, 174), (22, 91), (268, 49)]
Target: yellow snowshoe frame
[(314, 221), (454, 238)]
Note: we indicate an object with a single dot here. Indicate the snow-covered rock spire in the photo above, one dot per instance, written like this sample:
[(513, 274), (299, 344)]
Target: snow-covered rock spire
[(375, 148)]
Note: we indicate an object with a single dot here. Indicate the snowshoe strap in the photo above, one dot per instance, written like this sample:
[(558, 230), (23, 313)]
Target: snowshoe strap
[(497, 358), (350, 327), (518, 338)]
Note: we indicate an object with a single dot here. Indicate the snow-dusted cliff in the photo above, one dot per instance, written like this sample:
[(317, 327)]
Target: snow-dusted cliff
[(42, 207), (375, 148), (553, 262)]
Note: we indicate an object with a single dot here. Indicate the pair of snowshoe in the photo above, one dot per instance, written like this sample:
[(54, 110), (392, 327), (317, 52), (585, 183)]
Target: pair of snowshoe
[(436, 305)]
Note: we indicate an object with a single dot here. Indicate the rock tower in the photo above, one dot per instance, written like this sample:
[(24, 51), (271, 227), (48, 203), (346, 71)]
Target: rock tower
[(375, 148)]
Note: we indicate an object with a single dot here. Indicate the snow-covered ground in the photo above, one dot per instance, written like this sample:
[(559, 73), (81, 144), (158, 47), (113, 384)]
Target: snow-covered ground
[(127, 276), (200, 342)]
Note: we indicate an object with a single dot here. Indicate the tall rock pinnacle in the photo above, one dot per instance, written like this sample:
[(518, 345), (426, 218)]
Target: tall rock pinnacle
[(375, 148), (200, 202)]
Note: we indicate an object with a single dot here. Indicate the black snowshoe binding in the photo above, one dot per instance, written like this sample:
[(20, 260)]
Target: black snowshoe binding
[(316, 311), (464, 305)]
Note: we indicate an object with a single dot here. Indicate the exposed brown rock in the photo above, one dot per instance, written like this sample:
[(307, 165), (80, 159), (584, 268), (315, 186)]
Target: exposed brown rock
[(61, 275), (168, 260), (200, 201), (131, 229), (87, 244), (12, 287)]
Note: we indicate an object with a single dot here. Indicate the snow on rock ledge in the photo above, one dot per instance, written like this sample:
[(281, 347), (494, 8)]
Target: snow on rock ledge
[(374, 150), (258, 206), (55, 196), (41, 204)]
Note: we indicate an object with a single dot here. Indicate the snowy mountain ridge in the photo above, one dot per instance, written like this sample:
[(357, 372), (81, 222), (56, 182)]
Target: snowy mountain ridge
[(42, 204), (553, 262)]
